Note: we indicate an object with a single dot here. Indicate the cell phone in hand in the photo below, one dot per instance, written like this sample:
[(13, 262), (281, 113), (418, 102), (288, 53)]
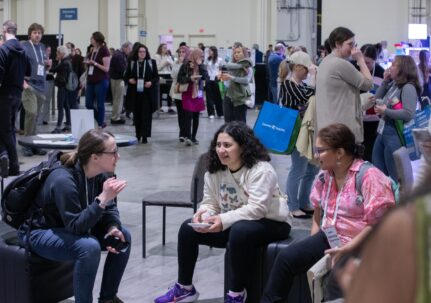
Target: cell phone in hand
[(116, 243)]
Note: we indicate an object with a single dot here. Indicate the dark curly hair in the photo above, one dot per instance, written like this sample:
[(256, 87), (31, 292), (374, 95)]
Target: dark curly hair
[(252, 150), (338, 135)]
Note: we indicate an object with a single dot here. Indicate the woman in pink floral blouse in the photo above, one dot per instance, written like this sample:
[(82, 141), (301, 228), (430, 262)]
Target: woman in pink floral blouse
[(343, 216)]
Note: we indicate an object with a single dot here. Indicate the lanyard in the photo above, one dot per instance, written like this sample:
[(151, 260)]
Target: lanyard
[(86, 190), (392, 92), (94, 55), (337, 203), (137, 69), (35, 53)]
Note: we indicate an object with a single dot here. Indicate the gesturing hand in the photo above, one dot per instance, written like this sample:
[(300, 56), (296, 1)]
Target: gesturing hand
[(111, 188)]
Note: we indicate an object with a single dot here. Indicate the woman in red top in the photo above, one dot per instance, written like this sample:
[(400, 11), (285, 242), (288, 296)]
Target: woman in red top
[(97, 62)]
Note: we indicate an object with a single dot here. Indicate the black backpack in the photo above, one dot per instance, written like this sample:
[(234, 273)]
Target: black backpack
[(18, 197)]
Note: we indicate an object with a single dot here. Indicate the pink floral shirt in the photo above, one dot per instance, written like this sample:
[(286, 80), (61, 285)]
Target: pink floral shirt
[(352, 216)]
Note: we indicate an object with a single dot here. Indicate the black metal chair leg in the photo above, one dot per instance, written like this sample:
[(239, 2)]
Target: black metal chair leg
[(164, 226), (144, 246)]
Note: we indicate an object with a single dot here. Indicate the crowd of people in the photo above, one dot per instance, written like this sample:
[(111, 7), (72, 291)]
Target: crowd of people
[(243, 205)]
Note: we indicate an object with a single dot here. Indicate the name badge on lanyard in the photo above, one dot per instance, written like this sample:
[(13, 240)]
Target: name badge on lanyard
[(140, 85), (40, 70), (91, 69), (330, 230), (332, 236), (40, 65), (140, 81)]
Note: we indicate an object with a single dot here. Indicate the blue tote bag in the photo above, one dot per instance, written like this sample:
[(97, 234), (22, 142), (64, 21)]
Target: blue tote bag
[(405, 131), (277, 127)]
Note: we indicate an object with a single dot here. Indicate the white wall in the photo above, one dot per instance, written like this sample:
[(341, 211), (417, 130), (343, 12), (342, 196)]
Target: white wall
[(92, 16), (223, 21), (297, 26), (371, 20)]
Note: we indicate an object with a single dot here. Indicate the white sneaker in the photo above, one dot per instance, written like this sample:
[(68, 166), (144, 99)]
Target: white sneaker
[(188, 142), (211, 117)]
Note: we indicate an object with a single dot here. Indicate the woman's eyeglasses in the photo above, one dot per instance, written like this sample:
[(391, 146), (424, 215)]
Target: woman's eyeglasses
[(112, 153), (320, 150)]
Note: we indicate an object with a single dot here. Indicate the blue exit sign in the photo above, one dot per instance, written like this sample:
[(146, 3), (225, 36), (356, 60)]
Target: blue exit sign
[(68, 14)]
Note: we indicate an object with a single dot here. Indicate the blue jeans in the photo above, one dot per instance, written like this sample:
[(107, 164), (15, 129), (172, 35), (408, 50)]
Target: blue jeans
[(384, 147), (274, 94), (95, 95), (299, 181), (57, 244)]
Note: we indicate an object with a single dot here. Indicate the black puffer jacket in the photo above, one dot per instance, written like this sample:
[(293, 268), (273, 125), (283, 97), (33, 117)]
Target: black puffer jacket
[(62, 70)]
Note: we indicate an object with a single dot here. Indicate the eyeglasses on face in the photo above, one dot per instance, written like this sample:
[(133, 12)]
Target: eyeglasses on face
[(114, 153), (320, 150)]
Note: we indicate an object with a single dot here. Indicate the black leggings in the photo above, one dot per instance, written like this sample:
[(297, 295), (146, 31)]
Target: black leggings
[(244, 237), (234, 113), (191, 124), (291, 261)]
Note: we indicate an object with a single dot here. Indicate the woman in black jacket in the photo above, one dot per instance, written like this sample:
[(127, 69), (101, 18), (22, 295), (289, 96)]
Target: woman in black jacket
[(62, 70), (142, 76), (79, 216)]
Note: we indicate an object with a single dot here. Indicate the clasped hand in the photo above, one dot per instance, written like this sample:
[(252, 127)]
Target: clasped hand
[(216, 224), (114, 231)]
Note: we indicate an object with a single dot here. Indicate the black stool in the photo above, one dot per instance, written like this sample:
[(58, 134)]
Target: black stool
[(28, 278), (300, 292)]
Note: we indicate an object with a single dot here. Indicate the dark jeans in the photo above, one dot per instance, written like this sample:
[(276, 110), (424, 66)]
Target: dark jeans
[(293, 260), (95, 96), (57, 244), (189, 129), (181, 118), (234, 113), (244, 238), (8, 109), (213, 98)]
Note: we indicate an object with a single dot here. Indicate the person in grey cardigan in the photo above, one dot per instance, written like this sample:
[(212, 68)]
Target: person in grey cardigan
[(338, 84), (396, 99)]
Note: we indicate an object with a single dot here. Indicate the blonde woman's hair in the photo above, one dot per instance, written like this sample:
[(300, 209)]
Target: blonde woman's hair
[(284, 70)]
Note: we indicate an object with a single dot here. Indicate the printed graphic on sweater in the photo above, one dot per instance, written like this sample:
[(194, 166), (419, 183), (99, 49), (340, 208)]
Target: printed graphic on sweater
[(229, 197)]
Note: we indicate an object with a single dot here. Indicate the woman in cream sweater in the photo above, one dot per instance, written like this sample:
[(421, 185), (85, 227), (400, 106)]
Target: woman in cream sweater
[(242, 206)]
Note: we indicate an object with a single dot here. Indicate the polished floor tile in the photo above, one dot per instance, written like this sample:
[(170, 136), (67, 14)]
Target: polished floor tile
[(165, 164)]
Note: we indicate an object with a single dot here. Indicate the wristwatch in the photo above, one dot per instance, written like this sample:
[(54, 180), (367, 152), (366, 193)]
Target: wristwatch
[(102, 205)]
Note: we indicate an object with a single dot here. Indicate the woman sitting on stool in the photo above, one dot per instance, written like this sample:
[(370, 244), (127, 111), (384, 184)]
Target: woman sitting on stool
[(242, 205), (347, 218), (79, 202)]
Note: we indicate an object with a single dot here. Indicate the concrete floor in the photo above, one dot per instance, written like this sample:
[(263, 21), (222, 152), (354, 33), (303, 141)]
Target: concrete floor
[(164, 164)]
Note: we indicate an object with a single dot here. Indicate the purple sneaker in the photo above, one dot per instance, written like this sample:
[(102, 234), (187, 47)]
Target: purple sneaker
[(178, 294), (237, 299)]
